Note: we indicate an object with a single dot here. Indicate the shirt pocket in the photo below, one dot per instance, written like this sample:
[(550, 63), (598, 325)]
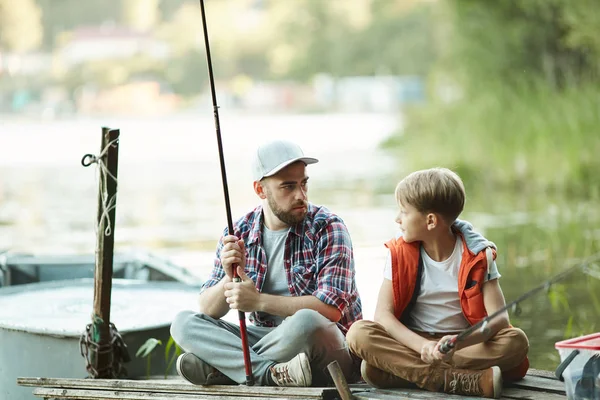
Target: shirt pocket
[(305, 277), (474, 305)]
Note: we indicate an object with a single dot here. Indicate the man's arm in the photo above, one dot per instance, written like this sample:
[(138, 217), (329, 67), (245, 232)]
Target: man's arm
[(245, 297), (284, 306), (212, 300), (384, 315)]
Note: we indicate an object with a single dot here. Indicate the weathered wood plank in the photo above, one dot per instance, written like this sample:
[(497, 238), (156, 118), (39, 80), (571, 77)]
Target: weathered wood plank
[(524, 394), (172, 386), (405, 394), (539, 384), (541, 373), (83, 394)]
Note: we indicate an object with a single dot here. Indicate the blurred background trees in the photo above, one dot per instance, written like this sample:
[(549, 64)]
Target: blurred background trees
[(512, 83)]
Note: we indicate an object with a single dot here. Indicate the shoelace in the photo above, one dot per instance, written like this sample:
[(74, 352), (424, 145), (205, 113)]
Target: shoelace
[(282, 374), (468, 383)]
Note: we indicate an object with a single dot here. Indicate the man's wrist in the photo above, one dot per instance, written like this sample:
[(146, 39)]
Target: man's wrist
[(261, 303)]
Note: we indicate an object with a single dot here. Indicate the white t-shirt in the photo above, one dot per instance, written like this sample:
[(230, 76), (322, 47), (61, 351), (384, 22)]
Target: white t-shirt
[(437, 308)]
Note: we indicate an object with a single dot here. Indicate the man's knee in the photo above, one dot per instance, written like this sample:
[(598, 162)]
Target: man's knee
[(358, 334), (181, 324), (307, 324)]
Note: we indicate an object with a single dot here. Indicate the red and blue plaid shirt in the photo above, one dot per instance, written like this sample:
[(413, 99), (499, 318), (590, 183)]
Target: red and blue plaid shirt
[(318, 260)]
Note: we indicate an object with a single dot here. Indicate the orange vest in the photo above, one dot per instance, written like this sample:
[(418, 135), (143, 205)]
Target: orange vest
[(471, 276)]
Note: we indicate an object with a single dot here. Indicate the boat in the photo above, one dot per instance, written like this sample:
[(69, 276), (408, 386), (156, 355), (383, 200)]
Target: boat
[(41, 324), (17, 268)]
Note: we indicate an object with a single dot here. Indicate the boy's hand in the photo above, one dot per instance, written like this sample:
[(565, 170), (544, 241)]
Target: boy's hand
[(438, 355), (428, 351)]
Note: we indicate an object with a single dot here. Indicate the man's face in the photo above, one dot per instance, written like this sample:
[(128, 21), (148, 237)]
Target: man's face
[(287, 193)]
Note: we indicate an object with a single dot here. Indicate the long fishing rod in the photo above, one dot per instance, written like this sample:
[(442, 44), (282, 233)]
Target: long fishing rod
[(450, 344), (236, 278)]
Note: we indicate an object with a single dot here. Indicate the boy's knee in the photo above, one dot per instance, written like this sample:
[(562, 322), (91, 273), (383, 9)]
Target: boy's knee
[(519, 341), (358, 334)]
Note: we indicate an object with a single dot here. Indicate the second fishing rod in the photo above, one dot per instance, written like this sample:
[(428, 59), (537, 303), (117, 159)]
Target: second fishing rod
[(447, 346)]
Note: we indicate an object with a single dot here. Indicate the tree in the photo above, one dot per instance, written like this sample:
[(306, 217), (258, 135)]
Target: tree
[(20, 25)]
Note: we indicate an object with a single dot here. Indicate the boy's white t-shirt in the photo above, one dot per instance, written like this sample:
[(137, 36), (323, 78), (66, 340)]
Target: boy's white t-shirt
[(437, 308)]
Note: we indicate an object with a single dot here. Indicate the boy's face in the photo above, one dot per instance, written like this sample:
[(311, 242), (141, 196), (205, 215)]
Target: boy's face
[(413, 223)]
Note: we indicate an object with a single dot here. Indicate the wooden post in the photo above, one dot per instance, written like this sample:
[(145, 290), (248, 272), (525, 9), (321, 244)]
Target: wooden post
[(340, 381), (104, 249)]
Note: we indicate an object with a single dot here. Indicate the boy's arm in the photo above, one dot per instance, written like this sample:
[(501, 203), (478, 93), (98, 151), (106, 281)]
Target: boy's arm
[(493, 300), (384, 315)]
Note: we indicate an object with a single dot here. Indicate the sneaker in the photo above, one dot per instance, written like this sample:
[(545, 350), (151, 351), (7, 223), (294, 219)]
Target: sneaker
[(196, 371), (381, 379), (295, 372), (486, 383)]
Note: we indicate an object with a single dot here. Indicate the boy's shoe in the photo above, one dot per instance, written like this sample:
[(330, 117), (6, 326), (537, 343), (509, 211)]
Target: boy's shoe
[(196, 371), (382, 379), (486, 383), (295, 372)]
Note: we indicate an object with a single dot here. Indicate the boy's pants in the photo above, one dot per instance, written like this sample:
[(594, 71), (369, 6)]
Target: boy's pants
[(218, 343), (371, 342)]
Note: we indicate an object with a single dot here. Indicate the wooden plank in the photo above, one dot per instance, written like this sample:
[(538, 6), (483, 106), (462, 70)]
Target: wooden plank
[(406, 394), (389, 394), (84, 394), (523, 394), (173, 386), (541, 373), (539, 384)]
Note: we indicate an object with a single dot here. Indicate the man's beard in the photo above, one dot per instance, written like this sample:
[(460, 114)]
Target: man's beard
[(286, 216)]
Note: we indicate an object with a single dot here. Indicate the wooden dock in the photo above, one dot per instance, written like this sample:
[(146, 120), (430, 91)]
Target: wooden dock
[(537, 385)]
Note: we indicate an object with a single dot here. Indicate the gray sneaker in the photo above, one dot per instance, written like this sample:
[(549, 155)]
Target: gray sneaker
[(295, 372), (196, 371)]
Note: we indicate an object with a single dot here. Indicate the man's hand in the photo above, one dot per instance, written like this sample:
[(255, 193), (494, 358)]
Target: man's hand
[(242, 296), (233, 252)]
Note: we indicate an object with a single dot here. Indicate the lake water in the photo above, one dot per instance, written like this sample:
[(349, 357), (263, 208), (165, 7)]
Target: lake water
[(170, 201)]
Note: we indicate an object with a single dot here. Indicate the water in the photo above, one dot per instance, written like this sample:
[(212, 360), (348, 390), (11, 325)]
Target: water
[(170, 201)]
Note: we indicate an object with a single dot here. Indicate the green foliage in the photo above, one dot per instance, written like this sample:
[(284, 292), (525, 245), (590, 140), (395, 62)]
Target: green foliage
[(146, 350), (395, 41), (171, 358), (172, 351), (533, 139), (515, 97), (513, 42)]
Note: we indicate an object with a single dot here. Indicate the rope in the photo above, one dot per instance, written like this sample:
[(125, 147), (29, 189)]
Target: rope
[(107, 204), (115, 350)]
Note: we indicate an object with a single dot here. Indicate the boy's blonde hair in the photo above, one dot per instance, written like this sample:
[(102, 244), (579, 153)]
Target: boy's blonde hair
[(437, 190)]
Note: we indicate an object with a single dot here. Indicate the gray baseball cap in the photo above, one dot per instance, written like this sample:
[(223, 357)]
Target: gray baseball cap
[(272, 157)]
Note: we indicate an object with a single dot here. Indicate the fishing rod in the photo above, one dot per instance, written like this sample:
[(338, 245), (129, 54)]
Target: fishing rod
[(450, 344), (236, 278)]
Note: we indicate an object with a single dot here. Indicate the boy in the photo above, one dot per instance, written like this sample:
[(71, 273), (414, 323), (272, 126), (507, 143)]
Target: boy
[(440, 278)]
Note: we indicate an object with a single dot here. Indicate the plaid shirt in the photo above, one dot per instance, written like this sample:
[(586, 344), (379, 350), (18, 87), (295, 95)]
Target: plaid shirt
[(318, 260)]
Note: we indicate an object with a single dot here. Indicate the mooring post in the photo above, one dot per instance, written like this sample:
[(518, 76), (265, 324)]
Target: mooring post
[(105, 241), (340, 381)]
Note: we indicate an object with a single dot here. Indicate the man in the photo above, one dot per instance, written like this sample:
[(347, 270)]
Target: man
[(296, 265)]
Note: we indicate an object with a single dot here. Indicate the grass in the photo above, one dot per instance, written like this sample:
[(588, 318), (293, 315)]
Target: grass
[(530, 138)]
